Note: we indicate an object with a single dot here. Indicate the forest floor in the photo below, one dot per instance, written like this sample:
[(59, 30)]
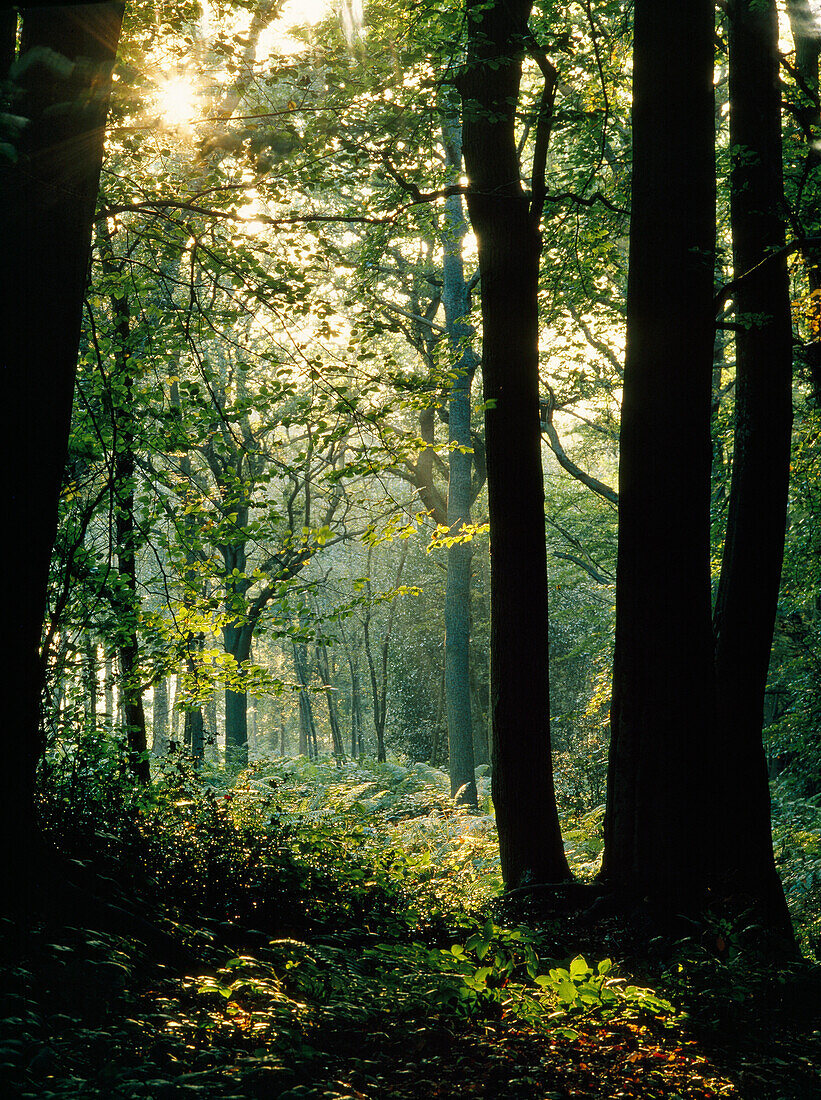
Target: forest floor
[(359, 984)]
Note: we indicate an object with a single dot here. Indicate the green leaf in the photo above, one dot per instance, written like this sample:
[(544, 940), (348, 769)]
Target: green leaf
[(579, 968)]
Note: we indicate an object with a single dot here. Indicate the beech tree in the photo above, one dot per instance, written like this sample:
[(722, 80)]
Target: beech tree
[(49, 174), (506, 221), (747, 597), (688, 800), (661, 822)]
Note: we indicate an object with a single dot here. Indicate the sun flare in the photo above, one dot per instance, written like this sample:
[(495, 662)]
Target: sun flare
[(176, 102)]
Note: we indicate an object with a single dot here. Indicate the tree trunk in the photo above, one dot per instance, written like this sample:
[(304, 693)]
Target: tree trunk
[(456, 303), (194, 735), (660, 824), (747, 596), (110, 685), (91, 691), (211, 730), (159, 725), (307, 727), (126, 531), (324, 664), (379, 671), (46, 208), (509, 244), (356, 714), (237, 638)]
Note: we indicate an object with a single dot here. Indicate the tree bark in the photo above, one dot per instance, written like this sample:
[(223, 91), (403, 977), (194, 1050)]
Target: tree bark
[(464, 361), (237, 637), (126, 531), (379, 669), (509, 244), (159, 724), (660, 823), (46, 209), (324, 664), (307, 726), (194, 735), (90, 684), (747, 596)]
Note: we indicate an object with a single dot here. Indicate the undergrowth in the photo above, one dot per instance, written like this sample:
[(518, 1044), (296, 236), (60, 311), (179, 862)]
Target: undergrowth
[(325, 902)]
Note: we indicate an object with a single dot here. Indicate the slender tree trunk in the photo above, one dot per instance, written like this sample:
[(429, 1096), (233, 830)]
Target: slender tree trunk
[(46, 208), (747, 596), (90, 682), (378, 669), (307, 726), (324, 664), (456, 302), (194, 735), (126, 529), (159, 725), (211, 731), (110, 687), (237, 638), (661, 819), (377, 696), (356, 714), (509, 244)]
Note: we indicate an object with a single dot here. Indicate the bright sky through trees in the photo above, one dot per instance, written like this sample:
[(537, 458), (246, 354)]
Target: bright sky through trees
[(177, 102)]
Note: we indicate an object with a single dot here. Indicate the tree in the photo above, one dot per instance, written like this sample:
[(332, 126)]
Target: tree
[(461, 491), (123, 486), (661, 822), (747, 597), (506, 222), (48, 187)]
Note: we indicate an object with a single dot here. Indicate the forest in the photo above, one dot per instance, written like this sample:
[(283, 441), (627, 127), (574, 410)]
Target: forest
[(412, 581)]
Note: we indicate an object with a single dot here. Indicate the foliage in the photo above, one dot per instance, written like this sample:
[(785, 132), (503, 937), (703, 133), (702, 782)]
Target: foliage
[(797, 841), (337, 960), (500, 974), (199, 847)]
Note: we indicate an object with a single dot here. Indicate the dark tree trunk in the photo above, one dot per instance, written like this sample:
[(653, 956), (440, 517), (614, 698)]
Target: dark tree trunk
[(747, 595), (237, 637), (8, 40), (660, 824), (46, 210), (509, 243), (194, 735), (456, 303)]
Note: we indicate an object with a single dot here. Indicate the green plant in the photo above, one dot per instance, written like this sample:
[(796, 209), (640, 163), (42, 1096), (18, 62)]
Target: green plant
[(497, 972)]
